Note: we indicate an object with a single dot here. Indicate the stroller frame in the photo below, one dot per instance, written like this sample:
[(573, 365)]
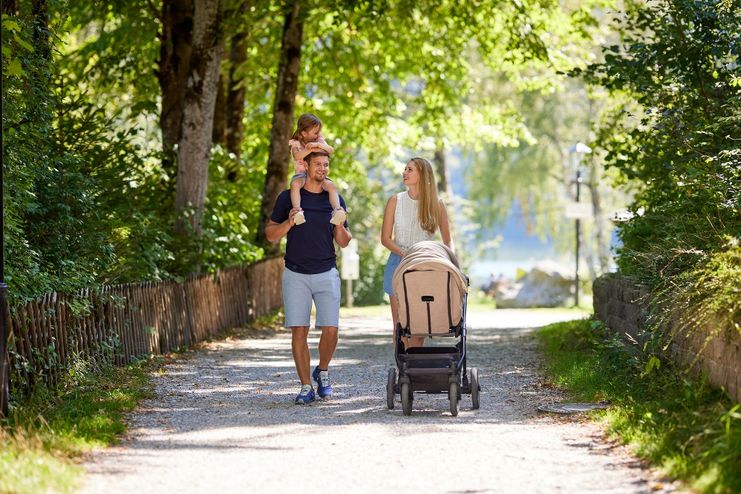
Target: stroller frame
[(433, 369)]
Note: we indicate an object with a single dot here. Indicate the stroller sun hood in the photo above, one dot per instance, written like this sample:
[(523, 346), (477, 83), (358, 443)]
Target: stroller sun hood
[(431, 289)]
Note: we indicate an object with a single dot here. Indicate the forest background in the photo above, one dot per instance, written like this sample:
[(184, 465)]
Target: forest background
[(147, 140)]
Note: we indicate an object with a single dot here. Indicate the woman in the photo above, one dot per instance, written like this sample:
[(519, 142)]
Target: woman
[(411, 217)]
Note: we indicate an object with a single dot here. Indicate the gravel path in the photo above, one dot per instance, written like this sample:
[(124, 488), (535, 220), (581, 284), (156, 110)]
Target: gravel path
[(223, 421)]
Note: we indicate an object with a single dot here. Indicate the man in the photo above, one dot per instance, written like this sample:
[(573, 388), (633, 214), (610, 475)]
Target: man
[(310, 274)]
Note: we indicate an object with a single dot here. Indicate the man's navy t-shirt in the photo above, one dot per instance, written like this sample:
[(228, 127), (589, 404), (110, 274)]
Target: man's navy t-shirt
[(310, 246)]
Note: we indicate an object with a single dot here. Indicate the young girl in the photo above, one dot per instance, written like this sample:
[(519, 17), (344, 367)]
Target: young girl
[(306, 139)]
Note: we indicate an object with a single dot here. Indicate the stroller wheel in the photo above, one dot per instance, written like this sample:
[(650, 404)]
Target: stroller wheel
[(453, 397), (406, 398), (475, 388), (390, 388)]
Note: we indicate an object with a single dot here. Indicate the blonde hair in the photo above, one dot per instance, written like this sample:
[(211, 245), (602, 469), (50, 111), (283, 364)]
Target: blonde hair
[(429, 207), (305, 122)]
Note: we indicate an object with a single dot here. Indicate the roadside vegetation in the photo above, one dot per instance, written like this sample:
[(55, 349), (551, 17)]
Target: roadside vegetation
[(49, 432), (678, 153), (44, 437), (678, 423)]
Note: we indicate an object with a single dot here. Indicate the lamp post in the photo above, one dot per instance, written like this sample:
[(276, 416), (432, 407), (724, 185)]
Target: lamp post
[(577, 150)]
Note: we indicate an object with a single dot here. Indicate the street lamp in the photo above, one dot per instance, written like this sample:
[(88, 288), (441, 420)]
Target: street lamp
[(576, 151)]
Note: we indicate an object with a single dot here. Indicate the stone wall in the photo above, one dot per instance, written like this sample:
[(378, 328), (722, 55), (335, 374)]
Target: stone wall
[(623, 305)]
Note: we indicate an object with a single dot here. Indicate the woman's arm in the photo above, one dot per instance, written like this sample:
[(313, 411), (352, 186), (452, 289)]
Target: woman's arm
[(387, 230), (445, 226)]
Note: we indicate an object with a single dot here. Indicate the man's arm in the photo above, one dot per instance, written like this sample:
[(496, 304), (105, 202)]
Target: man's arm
[(276, 231), (342, 235)]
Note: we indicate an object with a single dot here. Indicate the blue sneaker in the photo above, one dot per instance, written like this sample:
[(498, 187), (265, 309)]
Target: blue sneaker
[(306, 396), (323, 386)]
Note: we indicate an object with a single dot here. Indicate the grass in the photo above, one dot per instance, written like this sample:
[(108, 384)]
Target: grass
[(684, 427), (45, 437)]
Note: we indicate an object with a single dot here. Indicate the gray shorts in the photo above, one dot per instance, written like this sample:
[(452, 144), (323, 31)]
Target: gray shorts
[(300, 289)]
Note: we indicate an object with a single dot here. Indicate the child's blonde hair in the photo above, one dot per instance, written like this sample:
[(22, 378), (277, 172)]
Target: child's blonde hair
[(428, 202), (307, 121)]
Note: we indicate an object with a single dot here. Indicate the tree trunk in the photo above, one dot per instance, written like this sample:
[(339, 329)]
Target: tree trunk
[(228, 119), (441, 169), (9, 7), (41, 42), (285, 97), (443, 186), (219, 129), (176, 45), (236, 92), (602, 246), (199, 101)]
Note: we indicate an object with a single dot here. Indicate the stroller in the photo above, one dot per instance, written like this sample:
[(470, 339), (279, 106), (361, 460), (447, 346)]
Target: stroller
[(432, 294)]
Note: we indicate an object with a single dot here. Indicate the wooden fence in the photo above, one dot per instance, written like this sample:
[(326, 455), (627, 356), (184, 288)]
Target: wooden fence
[(121, 323)]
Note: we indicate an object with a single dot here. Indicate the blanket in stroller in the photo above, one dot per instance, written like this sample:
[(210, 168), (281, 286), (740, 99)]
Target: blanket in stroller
[(431, 289)]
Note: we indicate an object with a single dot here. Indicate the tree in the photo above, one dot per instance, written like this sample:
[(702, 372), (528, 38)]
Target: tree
[(229, 113), (176, 46), (199, 99), (285, 96)]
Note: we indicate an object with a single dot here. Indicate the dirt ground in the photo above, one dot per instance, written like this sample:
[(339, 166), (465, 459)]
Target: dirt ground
[(223, 420)]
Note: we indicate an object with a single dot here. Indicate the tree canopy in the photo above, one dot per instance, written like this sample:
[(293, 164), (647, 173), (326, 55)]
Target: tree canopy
[(97, 119)]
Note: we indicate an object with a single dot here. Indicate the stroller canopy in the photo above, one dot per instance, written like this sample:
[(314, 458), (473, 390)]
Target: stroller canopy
[(430, 287)]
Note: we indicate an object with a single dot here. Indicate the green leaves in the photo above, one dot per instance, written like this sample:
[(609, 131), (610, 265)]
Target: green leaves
[(678, 60)]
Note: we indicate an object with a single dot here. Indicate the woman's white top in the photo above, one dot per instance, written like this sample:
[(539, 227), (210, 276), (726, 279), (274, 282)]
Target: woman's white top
[(407, 230)]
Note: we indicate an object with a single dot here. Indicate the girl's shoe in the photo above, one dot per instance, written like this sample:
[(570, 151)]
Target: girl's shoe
[(338, 216), (298, 218)]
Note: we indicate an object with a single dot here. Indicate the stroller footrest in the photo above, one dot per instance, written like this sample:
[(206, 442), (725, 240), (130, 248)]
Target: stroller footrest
[(433, 352), (427, 371)]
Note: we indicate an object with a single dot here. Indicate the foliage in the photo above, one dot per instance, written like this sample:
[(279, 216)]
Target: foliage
[(43, 438), (680, 424), (679, 60), (83, 206), (26, 135), (368, 289), (387, 94), (228, 225), (706, 297), (530, 173), (382, 91), (537, 175)]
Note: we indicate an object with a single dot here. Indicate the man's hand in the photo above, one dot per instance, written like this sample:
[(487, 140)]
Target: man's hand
[(342, 236), (291, 214), (275, 231)]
